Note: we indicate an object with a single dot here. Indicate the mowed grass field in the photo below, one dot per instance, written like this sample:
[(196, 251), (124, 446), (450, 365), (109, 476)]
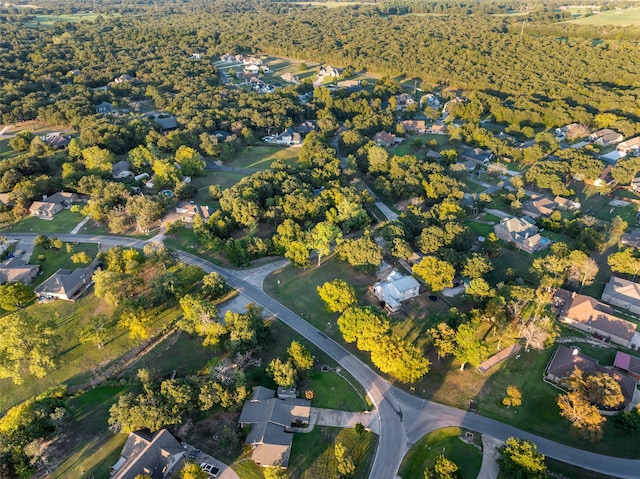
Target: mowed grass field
[(49, 20), (261, 157), (626, 17)]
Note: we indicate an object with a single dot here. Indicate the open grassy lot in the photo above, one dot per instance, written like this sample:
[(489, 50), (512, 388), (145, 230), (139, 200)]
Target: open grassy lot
[(422, 454), (224, 179), (628, 16), (313, 456), (49, 20), (63, 222), (331, 4), (56, 259), (297, 288), (261, 157), (405, 148), (96, 448)]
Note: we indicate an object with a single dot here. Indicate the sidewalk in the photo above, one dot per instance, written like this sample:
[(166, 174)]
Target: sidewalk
[(79, 226)]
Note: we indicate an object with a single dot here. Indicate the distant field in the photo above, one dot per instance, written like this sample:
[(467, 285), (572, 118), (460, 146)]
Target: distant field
[(49, 20), (333, 4), (261, 157), (629, 16)]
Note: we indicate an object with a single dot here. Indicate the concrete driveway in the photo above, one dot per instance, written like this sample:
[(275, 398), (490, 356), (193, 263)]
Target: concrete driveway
[(333, 418), (199, 457)]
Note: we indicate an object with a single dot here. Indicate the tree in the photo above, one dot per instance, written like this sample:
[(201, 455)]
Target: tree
[(476, 266), (98, 159), (584, 417), (190, 162), (15, 295), (214, 286), (363, 253), (520, 459), (81, 257), (246, 330), (283, 373), (298, 253), (28, 344), (300, 356), (346, 467), (603, 390), (201, 317), (436, 273), (513, 397), (539, 333), (191, 470), (625, 261), (469, 349), (443, 338), (582, 268), (95, 333), (338, 295), (479, 288), (444, 468), (21, 140), (137, 322), (322, 235)]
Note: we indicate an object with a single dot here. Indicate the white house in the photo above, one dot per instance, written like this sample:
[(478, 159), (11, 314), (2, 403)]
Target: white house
[(395, 289)]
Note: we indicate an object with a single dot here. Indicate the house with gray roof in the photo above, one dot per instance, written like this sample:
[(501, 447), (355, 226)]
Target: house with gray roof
[(271, 420), (121, 170), (395, 289), (158, 455), (605, 137), (623, 294), (66, 284), (522, 232), (15, 270)]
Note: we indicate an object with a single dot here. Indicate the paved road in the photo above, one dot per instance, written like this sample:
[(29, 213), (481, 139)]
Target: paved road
[(404, 418)]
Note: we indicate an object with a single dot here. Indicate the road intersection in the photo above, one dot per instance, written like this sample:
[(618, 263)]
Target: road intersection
[(404, 418)]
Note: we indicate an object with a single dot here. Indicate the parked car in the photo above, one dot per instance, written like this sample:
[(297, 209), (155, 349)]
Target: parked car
[(210, 469)]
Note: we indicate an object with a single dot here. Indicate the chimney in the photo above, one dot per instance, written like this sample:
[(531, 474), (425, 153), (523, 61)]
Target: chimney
[(44, 197), (574, 351), (573, 295)]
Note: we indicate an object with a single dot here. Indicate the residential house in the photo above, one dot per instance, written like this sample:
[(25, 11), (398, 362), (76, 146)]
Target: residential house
[(395, 290), (431, 101), (271, 420), (157, 455), (66, 284), (629, 147), (189, 210), (306, 127), (538, 206), (593, 317), (414, 126), (287, 137), (605, 137), (627, 363), (565, 204), (232, 58), (631, 239), (623, 294), (404, 100), (480, 156), (438, 130), (328, 71), (57, 140), (566, 359), (105, 108), (605, 178), (166, 123), (196, 56), (572, 131), (384, 138), (52, 205), (635, 185), (522, 232), (251, 61), (121, 170), (253, 69), (123, 79), (434, 155), (290, 77), (14, 270), (265, 68), (4, 198)]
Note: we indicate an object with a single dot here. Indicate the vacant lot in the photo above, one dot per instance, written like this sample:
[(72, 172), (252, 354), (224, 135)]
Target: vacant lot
[(261, 157), (628, 16)]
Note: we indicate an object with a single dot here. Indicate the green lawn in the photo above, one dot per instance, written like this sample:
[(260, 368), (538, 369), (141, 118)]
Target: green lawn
[(49, 20), (334, 392), (628, 16), (297, 288), (422, 454), (261, 157), (480, 229), (56, 259), (313, 456), (63, 222), (95, 448)]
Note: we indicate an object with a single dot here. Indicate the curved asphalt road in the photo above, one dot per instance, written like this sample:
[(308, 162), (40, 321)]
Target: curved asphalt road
[(403, 417)]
